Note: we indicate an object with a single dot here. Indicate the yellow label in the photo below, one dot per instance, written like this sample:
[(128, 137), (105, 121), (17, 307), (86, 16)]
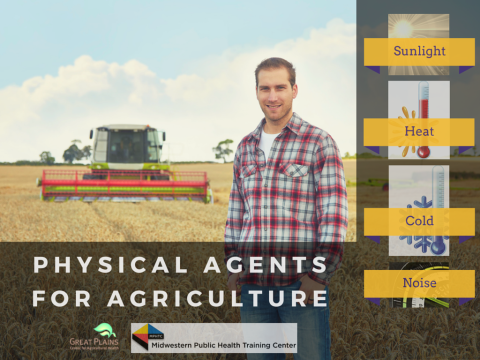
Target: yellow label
[(419, 283), (424, 222), (419, 52), (419, 132)]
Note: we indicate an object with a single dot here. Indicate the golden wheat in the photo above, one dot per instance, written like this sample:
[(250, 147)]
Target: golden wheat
[(360, 330)]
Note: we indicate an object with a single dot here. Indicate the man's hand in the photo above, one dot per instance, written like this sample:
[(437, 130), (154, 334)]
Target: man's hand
[(308, 286), (232, 283)]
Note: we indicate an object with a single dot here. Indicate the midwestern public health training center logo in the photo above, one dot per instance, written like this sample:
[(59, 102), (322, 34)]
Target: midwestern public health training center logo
[(145, 333), (103, 329)]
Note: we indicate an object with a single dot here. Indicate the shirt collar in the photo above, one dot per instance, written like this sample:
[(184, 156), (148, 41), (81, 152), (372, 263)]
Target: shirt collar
[(294, 124)]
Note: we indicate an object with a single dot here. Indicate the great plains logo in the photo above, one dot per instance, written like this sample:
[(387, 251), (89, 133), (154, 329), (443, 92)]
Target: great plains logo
[(103, 329), (145, 333)]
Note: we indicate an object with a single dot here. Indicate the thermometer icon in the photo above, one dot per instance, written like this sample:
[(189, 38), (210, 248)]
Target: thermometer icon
[(438, 196), (423, 152), (423, 97)]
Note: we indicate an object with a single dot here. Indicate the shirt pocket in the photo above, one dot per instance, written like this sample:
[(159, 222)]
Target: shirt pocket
[(247, 171), (294, 170), (247, 181), (297, 191)]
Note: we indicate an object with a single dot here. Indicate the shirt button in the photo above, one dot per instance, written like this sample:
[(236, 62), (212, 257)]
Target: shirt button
[(265, 185), (261, 165), (265, 206), (265, 229), (291, 172)]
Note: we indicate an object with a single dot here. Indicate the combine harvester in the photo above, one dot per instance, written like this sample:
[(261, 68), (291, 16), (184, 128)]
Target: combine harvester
[(126, 167)]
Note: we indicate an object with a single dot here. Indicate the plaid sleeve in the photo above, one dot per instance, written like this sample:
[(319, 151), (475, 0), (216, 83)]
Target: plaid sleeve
[(331, 208), (236, 210)]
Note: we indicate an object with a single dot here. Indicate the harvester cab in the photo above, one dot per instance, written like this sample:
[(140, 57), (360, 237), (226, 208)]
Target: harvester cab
[(126, 167), (127, 147)]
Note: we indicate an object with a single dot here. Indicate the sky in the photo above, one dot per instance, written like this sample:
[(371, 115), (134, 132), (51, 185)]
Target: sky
[(182, 67)]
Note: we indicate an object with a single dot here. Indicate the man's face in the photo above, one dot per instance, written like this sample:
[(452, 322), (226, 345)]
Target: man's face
[(275, 94)]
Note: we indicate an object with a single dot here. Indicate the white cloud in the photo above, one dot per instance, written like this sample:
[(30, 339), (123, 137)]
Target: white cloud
[(196, 110)]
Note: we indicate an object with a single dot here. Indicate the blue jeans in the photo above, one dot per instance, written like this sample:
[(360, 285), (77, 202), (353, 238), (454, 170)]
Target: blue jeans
[(313, 326)]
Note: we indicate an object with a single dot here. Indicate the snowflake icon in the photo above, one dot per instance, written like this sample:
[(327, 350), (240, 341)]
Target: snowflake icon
[(423, 242)]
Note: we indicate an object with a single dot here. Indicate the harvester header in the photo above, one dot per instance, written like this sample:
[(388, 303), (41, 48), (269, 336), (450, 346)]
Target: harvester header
[(125, 167)]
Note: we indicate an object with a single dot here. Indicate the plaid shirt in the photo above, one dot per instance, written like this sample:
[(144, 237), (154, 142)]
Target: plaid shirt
[(293, 205)]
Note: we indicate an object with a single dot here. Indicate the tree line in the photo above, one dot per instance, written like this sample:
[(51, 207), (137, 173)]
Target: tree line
[(222, 151), (72, 153)]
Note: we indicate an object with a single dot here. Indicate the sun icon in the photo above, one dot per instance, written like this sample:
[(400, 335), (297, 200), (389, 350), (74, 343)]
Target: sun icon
[(403, 29)]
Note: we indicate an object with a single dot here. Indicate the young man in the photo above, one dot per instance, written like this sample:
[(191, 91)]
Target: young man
[(289, 200)]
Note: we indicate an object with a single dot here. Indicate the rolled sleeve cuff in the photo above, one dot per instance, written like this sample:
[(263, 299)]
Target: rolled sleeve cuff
[(322, 278)]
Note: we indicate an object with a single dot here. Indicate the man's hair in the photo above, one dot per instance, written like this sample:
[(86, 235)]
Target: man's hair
[(276, 63)]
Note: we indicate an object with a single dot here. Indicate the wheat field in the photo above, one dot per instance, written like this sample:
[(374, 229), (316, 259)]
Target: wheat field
[(359, 329), (160, 221)]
